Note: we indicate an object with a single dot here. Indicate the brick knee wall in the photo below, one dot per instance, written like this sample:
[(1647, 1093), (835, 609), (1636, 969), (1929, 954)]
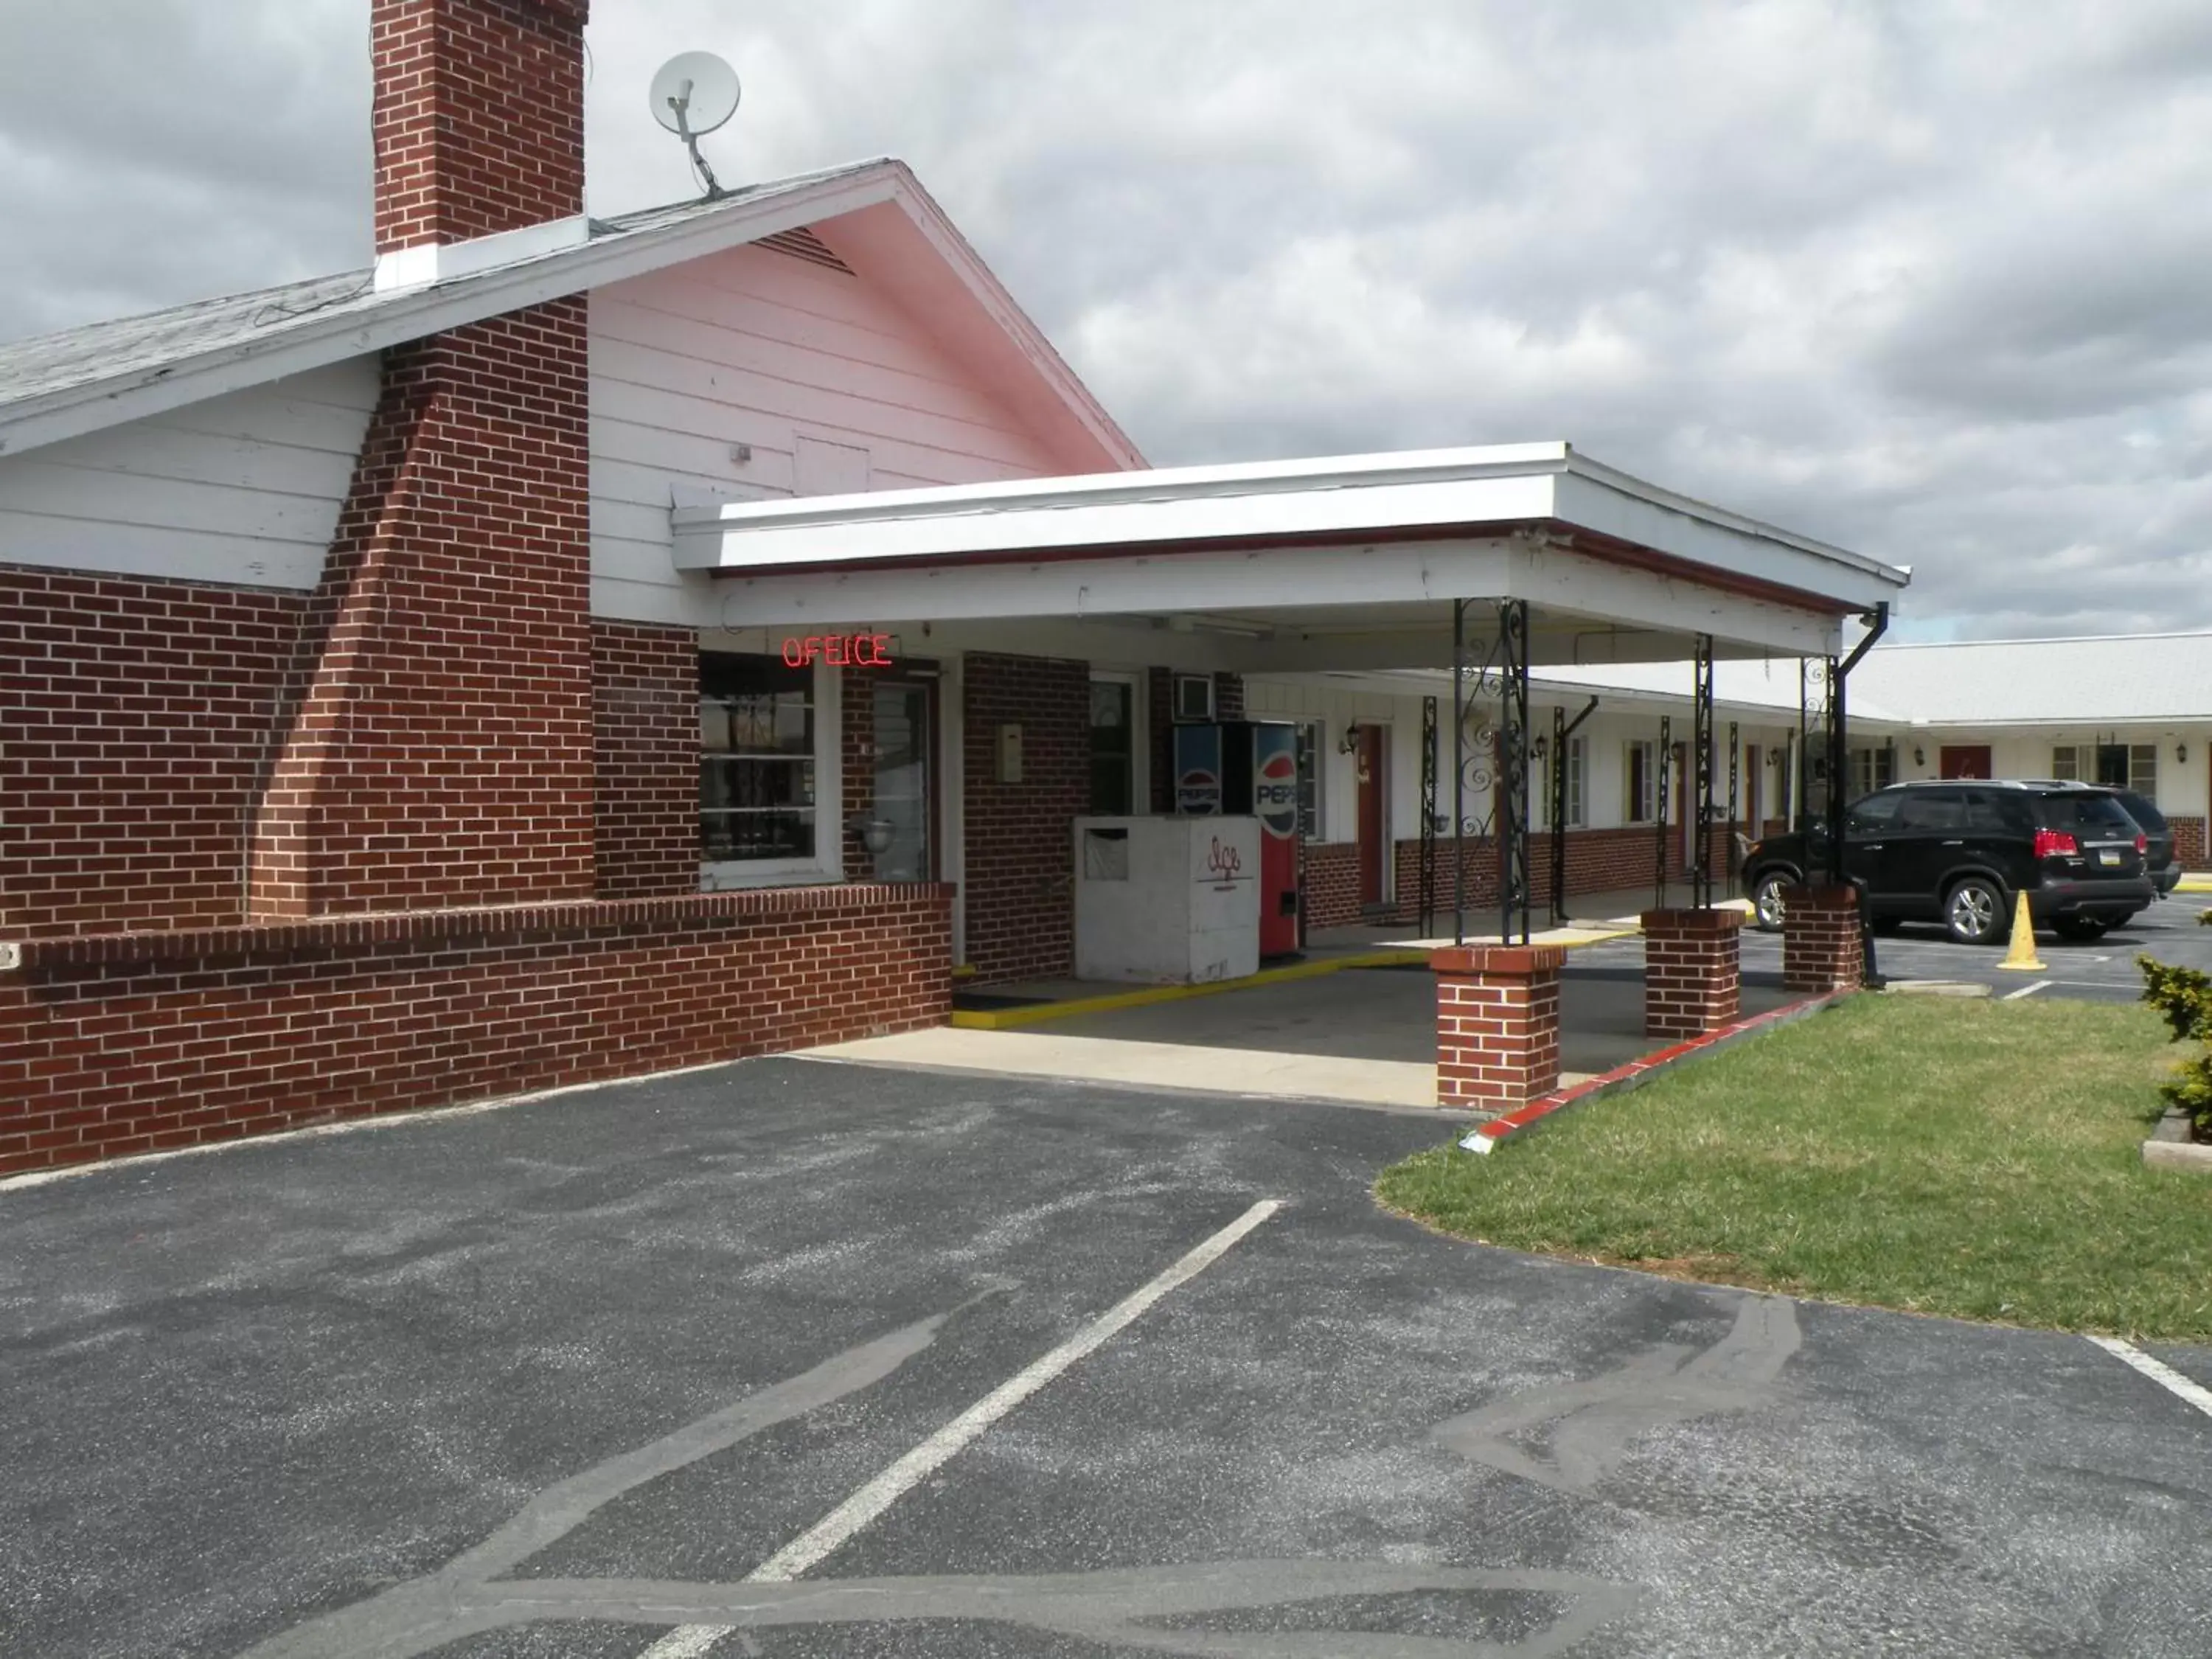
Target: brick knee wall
[(1498, 1024), (645, 760), (1692, 973), (1019, 847), (114, 1044), (1331, 883), (440, 747), (135, 722)]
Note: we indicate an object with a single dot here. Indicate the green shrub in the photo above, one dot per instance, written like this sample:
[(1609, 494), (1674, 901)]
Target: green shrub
[(2183, 996)]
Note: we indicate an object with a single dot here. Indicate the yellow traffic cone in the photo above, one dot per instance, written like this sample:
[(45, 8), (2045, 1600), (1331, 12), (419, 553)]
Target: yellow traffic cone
[(2021, 958)]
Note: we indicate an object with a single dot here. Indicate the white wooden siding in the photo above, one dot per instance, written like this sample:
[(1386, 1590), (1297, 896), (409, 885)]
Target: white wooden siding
[(756, 348), (243, 489)]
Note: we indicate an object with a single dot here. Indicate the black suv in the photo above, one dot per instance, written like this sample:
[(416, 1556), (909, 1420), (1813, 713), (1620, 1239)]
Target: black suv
[(1957, 853)]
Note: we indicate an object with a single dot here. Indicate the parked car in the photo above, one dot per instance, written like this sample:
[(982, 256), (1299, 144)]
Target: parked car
[(1959, 851), (2162, 862)]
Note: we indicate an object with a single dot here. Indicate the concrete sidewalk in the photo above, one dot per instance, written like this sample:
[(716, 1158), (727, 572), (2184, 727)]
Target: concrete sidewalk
[(1107, 1061)]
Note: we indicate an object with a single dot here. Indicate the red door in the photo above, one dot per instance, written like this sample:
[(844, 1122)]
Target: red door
[(1964, 760), (1373, 848)]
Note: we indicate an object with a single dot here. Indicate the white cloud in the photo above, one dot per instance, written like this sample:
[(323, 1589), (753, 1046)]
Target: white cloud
[(1926, 279)]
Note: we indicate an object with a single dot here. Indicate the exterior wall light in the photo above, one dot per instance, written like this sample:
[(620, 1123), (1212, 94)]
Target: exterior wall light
[(2181, 754), (1919, 755), (1349, 743)]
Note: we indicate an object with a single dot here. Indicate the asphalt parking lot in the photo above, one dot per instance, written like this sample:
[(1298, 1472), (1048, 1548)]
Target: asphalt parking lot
[(2103, 971), (795, 1359)]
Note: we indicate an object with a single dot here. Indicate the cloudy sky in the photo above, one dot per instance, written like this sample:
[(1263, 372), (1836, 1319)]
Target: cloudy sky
[(1932, 280)]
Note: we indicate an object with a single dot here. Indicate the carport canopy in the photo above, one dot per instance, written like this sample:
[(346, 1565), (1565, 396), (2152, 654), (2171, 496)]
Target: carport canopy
[(1337, 564)]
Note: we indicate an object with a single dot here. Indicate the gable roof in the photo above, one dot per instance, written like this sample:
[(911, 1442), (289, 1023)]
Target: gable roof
[(2115, 679), (62, 386)]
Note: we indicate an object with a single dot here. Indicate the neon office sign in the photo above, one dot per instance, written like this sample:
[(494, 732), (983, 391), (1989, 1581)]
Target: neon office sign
[(838, 650)]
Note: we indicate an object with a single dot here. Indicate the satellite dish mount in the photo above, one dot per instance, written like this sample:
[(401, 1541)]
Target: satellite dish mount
[(695, 93)]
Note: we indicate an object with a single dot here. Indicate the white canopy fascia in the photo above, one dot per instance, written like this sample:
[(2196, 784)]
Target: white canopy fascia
[(1107, 518), (1580, 602)]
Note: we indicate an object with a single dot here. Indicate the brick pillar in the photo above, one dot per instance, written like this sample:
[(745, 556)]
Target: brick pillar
[(1692, 971), (1498, 1024), (1821, 950)]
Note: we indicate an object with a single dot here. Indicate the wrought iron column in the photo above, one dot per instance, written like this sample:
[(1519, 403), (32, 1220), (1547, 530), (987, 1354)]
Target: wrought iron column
[(1662, 788), (1701, 740), (1513, 770), (1428, 815), (1459, 771), (1563, 733), (1735, 807)]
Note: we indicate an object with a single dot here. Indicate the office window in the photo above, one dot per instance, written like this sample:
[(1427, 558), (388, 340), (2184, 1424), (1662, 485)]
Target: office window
[(1577, 784), (757, 762), (1310, 751), (1640, 791), (1113, 748), (2066, 763)]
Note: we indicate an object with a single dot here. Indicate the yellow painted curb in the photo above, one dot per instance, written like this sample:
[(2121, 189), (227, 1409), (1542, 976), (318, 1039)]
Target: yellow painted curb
[(2194, 885), (1007, 1019), (1002, 1019)]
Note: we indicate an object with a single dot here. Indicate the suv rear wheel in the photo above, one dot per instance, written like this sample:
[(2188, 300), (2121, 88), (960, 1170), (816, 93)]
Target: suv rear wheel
[(1974, 912)]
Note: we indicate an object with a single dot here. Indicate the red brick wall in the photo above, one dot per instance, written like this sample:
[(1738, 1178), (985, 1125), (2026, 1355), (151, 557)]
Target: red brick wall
[(2189, 843), (1332, 884), (1598, 861), (478, 119), (645, 760), (440, 750), (1020, 844), (128, 1044), (134, 724), (1160, 689)]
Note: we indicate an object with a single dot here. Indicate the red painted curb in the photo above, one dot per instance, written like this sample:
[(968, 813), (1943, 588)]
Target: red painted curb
[(1486, 1136)]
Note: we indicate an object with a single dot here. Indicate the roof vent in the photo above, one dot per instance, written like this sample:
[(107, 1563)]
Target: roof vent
[(804, 244)]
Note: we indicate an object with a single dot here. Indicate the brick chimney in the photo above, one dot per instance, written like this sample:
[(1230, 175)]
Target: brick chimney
[(479, 125), (436, 748)]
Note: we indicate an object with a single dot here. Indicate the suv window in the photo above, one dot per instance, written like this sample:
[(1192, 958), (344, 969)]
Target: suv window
[(1933, 809), (1874, 814), (2143, 813), (1998, 813), (2085, 813)]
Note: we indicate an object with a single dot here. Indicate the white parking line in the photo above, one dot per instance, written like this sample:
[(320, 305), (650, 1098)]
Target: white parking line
[(870, 1501), (2159, 1372), (2026, 991)]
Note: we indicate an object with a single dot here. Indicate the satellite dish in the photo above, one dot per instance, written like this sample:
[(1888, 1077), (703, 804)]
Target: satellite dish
[(695, 93)]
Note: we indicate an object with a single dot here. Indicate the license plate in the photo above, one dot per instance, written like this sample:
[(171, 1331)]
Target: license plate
[(2108, 858)]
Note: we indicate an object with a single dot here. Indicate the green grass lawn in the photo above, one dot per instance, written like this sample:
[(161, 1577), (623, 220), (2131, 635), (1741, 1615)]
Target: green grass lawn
[(1979, 1159)]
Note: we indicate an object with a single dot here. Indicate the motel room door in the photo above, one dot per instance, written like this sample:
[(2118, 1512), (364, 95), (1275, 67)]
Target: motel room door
[(1964, 760), (1374, 824), (906, 777)]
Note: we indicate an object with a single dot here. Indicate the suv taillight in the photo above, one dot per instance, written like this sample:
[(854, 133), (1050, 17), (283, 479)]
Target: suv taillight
[(2056, 844), (2142, 843)]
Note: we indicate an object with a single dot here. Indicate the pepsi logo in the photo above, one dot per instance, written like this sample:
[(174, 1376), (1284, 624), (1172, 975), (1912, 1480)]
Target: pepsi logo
[(1275, 795), (1198, 792)]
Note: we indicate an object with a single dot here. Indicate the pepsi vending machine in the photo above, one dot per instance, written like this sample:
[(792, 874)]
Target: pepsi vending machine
[(1250, 768)]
